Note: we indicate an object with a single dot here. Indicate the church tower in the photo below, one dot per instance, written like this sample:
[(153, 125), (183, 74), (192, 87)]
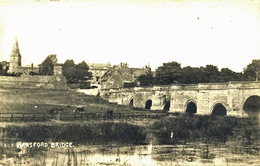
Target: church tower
[(15, 57)]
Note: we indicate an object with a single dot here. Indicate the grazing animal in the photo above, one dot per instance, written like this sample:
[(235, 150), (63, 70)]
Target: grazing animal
[(109, 114), (55, 110), (79, 109)]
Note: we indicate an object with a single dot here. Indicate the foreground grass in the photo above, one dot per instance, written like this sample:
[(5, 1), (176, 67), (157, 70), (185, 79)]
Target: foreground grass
[(181, 129)]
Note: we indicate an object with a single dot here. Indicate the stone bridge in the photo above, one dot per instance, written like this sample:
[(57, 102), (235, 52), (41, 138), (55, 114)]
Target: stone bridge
[(241, 99)]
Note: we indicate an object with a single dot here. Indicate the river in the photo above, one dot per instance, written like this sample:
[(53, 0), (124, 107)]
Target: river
[(142, 155)]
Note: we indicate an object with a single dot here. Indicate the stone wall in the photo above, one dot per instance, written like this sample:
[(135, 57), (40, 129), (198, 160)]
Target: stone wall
[(34, 82), (140, 95), (231, 95), (92, 92), (238, 93)]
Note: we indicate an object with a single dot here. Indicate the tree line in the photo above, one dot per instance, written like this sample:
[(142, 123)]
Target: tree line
[(74, 73), (168, 73), (172, 72)]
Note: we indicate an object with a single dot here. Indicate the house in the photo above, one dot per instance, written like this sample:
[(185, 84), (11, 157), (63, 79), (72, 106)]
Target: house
[(98, 70), (122, 76)]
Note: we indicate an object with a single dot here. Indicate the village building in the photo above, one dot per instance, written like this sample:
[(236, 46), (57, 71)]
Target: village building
[(98, 70), (122, 76)]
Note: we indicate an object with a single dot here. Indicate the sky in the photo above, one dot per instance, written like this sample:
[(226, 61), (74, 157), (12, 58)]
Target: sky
[(193, 33)]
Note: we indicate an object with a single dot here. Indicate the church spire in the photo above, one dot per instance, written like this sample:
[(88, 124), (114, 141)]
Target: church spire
[(15, 57), (16, 50)]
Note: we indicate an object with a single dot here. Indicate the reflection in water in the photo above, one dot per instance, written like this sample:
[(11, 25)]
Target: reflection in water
[(199, 154)]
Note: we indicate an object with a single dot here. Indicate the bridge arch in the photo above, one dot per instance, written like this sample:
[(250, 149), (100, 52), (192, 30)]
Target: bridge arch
[(252, 107), (148, 104), (131, 101), (219, 108), (190, 107), (167, 105)]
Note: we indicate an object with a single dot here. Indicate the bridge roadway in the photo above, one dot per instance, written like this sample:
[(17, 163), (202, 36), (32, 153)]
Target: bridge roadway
[(235, 98)]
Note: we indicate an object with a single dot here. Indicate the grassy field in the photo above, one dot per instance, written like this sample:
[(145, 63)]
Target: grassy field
[(41, 101)]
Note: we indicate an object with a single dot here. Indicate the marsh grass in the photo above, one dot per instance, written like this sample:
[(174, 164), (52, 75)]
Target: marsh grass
[(78, 133), (180, 129), (185, 128)]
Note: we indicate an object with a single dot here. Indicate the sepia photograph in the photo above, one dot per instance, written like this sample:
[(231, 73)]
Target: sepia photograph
[(129, 83)]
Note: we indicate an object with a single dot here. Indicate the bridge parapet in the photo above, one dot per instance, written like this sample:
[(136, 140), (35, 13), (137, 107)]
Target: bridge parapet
[(185, 87), (133, 89), (244, 85), (162, 88), (143, 88), (146, 89), (218, 86), (213, 86)]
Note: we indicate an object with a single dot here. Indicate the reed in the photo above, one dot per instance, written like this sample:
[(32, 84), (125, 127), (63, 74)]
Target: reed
[(78, 133), (208, 129)]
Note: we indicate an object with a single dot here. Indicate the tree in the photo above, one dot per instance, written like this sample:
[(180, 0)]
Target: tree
[(1, 69), (251, 70), (69, 70), (190, 75), (146, 79), (53, 58), (76, 73), (212, 74), (4, 67), (169, 73), (82, 65), (68, 63), (48, 64), (82, 72), (228, 75), (172, 72)]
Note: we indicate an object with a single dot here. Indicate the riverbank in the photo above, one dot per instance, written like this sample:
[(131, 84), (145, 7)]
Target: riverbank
[(174, 130), (190, 139), (207, 129)]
